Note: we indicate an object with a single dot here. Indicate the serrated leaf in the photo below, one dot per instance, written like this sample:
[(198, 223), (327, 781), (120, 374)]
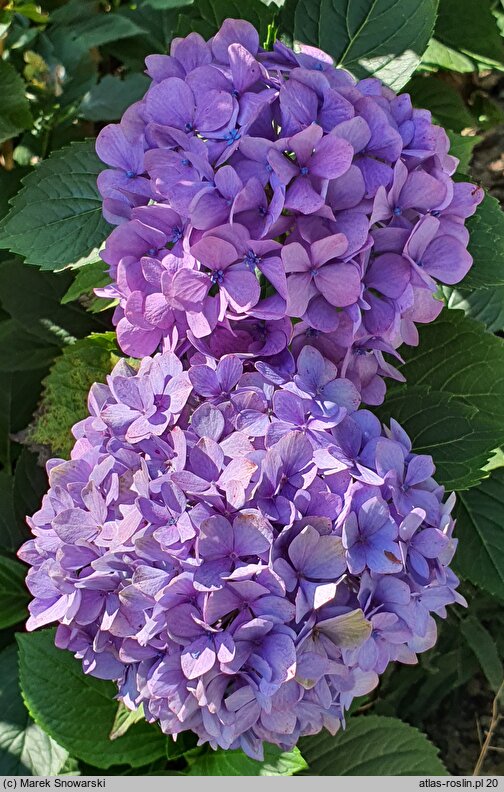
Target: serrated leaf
[(13, 592), (108, 100), (24, 747), (470, 28), (15, 113), (372, 745), (486, 246), (446, 105), (445, 428), (79, 710), (379, 37), (453, 403), (483, 645), (480, 517), (66, 387), (484, 305), (56, 219), (236, 763)]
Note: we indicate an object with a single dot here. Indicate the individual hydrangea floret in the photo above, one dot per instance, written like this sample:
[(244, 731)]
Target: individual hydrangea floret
[(255, 190), (239, 547)]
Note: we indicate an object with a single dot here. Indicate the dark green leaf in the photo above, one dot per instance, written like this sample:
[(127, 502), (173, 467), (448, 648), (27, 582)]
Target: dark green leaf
[(486, 245), (483, 645), (13, 593), (377, 37), (30, 483), (457, 356), (446, 104), (24, 747), (372, 745), (208, 15), (21, 351), (453, 403), (103, 28), (33, 298), (56, 219), (236, 763), (14, 108), (480, 517), (108, 100), (446, 428), (79, 710), (469, 27), (10, 536)]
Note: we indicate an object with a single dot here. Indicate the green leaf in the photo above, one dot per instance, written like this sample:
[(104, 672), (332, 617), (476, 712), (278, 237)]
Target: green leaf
[(483, 645), (87, 278), (372, 745), (21, 351), (444, 57), (13, 593), (480, 517), (10, 537), (66, 387), (461, 146), (103, 28), (445, 428), (446, 104), (470, 28), (379, 37), (33, 298), (457, 356), (56, 219), (108, 100), (15, 113), (24, 747), (485, 305), (486, 246), (79, 710), (453, 403), (236, 763), (208, 15)]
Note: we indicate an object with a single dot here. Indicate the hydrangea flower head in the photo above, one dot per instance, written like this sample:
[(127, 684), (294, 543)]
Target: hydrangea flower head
[(255, 190), (238, 547)]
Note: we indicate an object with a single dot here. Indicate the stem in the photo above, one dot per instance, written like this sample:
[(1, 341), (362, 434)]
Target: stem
[(490, 733)]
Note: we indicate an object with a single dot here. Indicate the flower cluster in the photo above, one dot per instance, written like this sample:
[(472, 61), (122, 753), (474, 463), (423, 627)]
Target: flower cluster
[(251, 188), (241, 549)]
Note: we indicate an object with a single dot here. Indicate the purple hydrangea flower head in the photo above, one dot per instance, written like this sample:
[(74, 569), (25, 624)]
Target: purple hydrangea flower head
[(238, 547), (253, 186)]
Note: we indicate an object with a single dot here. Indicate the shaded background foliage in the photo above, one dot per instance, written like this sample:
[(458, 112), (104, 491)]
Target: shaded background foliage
[(68, 68)]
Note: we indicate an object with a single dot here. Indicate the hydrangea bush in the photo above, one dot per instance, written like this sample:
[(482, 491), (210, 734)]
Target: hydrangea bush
[(248, 535)]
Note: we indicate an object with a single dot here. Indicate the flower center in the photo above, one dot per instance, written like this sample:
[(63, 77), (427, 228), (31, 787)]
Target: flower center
[(217, 276), (304, 171)]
